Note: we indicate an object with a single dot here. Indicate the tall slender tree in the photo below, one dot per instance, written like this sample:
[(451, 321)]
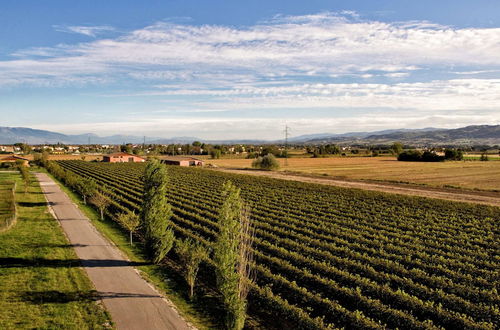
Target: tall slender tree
[(232, 256), (156, 212)]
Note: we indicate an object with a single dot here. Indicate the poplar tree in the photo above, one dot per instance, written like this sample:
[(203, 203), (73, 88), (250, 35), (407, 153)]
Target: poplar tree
[(232, 256), (156, 212)]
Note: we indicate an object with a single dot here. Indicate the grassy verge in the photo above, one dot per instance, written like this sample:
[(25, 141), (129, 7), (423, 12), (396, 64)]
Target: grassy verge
[(166, 278), (42, 285)]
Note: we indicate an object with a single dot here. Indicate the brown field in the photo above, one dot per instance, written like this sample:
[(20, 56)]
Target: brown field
[(463, 174)]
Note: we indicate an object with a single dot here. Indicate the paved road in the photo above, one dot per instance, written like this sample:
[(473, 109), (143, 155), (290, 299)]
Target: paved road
[(131, 301), (489, 198)]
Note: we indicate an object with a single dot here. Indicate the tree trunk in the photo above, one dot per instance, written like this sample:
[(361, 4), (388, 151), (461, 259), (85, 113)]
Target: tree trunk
[(131, 238), (84, 199), (102, 214)]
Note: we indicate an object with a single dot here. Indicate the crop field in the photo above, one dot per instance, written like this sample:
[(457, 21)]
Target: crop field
[(335, 257), (464, 174)]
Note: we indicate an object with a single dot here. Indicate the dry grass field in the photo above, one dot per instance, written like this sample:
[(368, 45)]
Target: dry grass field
[(463, 174)]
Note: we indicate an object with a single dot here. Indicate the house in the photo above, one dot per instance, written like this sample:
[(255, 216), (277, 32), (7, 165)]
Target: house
[(7, 148), (14, 159), (183, 161), (122, 157)]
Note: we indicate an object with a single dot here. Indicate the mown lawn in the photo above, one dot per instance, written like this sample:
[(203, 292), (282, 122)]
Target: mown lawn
[(41, 283)]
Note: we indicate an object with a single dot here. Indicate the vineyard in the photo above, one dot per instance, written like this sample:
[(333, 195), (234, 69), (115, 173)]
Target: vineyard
[(333, 257)]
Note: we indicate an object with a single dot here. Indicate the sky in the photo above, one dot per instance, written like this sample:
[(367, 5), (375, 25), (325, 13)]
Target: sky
[(245, 69)]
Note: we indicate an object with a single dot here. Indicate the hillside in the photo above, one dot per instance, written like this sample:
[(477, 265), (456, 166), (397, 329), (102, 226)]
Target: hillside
[(470, 135)]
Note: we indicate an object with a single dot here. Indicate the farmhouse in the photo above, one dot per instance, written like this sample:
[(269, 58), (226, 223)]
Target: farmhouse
[(122, 157), (183, 161), (14, 159)]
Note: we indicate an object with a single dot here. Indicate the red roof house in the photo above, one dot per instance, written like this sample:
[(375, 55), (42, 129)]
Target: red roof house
[(122, 157)]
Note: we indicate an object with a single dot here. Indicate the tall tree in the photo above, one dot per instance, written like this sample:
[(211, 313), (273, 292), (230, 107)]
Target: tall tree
[(232, 256), (156, 211), (191, 254)]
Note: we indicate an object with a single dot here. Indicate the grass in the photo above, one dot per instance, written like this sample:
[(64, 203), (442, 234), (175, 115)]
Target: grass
[(166, 278), (7, 204), (463, 174), (42, 285)]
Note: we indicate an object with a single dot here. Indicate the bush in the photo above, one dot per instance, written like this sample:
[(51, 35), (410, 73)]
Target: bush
[(453, 154), (268, 162)]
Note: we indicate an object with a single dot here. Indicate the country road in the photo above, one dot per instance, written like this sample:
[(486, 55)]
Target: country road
[(131, 301), (487, 198)]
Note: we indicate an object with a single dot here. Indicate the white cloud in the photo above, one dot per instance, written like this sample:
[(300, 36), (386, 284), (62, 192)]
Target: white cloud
[(90, 31), (317, 61)]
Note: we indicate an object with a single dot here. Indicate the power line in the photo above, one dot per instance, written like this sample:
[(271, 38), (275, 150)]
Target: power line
[(287, 134)]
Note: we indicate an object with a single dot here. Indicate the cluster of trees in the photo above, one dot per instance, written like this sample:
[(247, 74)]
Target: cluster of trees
[(323, 150), (430, 156), (232, 254)]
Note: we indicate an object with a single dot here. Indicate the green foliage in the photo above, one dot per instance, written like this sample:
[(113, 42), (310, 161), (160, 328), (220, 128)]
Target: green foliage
[(26, 176), (268, 162), (227, 256), (101, 201), (215, 153), (453, 154), (418, 156), (484, 157), (191, 253), (397, 148), (86, 187), (156, 211), (130, 221)]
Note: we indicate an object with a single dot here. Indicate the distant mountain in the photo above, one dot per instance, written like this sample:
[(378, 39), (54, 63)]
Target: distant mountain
[(10, 135), (350, 135), (479, 134)]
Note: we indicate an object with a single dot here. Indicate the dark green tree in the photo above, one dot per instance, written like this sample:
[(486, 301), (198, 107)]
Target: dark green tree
[(233, 256), (156, 211)]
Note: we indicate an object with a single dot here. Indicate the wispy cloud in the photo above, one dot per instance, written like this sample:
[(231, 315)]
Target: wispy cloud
[(90, 31), (325, 60)]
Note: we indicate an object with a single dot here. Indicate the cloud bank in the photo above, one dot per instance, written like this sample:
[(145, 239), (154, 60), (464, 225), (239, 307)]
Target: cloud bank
[(326, 60)]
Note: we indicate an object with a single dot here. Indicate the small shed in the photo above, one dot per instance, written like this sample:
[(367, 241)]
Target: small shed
[(122, 157), (183, 161)]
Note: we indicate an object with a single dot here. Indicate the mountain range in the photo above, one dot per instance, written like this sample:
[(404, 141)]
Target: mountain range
[(470, 135)]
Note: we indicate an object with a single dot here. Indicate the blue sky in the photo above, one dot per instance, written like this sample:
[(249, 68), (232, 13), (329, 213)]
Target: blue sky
[(242, 69)]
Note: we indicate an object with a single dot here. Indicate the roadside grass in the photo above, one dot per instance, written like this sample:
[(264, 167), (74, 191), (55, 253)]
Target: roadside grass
[(42, 285), (165, 277), (7, 205)]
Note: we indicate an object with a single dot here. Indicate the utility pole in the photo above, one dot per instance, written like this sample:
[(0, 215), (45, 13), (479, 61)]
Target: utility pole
[(287, 134)]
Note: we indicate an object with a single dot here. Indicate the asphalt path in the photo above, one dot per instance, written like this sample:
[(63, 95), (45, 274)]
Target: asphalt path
[(132, 302)]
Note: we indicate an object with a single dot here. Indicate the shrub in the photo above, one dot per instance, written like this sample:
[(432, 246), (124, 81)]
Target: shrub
[(453, 154), (268, 162)]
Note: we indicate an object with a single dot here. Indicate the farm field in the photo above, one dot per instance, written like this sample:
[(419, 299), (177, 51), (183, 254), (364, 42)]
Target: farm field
[(41, 283), (463, 174), (334, 257)]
